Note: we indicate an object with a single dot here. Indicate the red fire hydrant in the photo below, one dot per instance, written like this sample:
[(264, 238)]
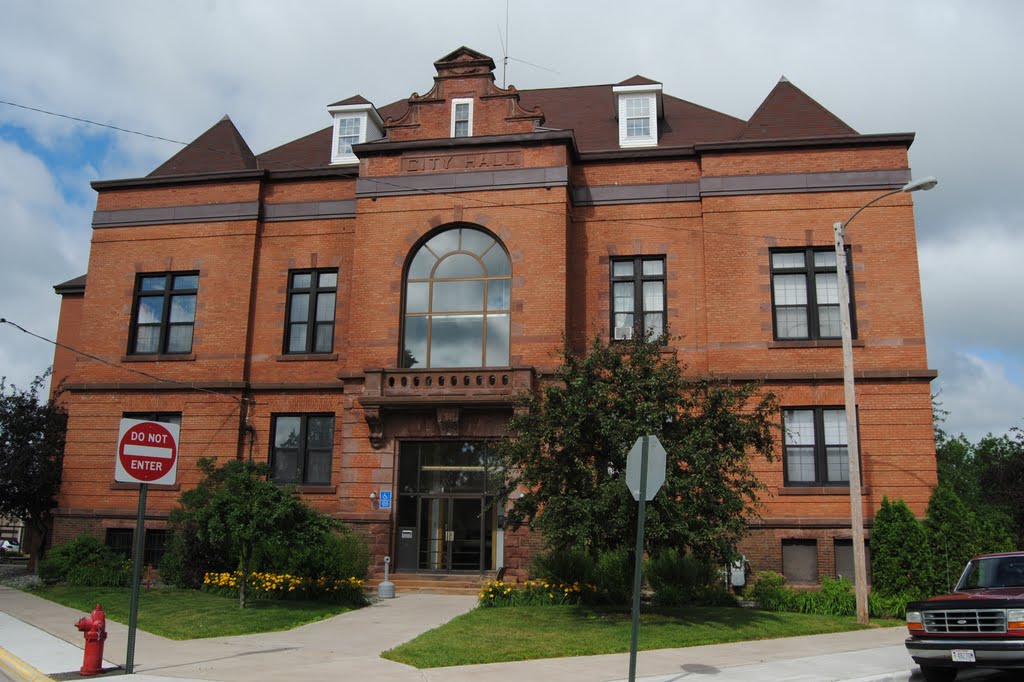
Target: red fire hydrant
[(95, 628)]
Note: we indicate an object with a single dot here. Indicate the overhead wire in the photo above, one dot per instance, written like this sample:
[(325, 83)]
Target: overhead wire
[(148, 375), (463, 196)]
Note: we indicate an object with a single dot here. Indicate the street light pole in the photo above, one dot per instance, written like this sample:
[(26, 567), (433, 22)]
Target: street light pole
[(852, 441)]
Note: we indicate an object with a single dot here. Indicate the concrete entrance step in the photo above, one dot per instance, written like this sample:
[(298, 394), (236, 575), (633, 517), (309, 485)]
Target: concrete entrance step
[(429, 583)]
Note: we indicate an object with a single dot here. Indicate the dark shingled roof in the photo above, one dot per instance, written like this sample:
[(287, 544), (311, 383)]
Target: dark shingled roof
[(589, 111), (354, 99), (314, 150), (638, 80), (221, 148), (72, 286), (788, 111)]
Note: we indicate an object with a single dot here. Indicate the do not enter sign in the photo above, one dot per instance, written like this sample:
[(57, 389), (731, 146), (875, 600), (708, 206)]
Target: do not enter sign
[(147, 452)]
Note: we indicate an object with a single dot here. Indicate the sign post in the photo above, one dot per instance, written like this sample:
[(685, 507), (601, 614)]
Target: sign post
[(645, 474), (147, 452)]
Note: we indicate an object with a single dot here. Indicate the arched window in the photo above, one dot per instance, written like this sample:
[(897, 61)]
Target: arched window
[(458, 294)]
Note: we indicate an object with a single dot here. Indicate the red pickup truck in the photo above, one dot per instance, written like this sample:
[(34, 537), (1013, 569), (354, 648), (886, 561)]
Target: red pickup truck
[(979, 625)]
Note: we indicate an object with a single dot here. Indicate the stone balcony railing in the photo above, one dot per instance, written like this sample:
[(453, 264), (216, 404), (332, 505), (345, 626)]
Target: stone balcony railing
[(436, 386), (448, 391)]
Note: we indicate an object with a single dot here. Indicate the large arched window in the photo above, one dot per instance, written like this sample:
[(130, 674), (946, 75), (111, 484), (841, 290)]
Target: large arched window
[(458, 294)]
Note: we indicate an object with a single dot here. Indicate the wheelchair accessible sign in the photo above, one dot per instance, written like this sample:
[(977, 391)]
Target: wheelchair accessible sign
[(385, 499)]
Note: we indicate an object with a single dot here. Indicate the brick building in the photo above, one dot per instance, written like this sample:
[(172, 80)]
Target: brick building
[(359, 306)]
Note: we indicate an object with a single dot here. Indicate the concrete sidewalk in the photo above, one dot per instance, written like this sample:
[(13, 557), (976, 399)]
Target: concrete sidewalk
[(37, 637)]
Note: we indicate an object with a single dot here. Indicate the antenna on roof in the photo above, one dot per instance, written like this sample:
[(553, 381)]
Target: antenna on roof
[(505, 56), (504, 48)]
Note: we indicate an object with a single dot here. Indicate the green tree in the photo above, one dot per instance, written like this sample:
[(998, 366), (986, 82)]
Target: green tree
[(1001, 476), (958, 468), (239, 513), (32, 435), (570, 440), (901, 562), (954, 536)]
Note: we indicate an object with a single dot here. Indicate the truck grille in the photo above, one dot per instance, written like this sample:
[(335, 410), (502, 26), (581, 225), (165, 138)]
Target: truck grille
[(965, 621)]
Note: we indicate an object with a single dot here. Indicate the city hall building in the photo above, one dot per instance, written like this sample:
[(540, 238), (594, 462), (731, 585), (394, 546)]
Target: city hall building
[(359, 307)]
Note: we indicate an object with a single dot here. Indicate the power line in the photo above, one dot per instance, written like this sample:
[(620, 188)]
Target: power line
[(118, 366), (461, 197)]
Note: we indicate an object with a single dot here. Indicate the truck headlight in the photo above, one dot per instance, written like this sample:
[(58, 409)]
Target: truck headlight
[(1015, 619), (914, 621)]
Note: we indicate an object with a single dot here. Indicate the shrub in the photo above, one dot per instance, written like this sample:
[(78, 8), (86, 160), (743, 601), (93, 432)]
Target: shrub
[(533, 593), (835, 598), (333, 556), (565, 567), (188, 558), (682, 579), (890, 606), (85, 561), (613, 576), (900, 558), (263, 585), (951, 537), (769, 591)]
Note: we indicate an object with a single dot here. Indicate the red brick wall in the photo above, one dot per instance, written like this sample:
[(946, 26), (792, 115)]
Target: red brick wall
[(719, 302), (67, 337)]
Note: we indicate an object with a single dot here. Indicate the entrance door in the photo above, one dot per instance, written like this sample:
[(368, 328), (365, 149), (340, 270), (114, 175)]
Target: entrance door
[(446, 521), (454, 534)]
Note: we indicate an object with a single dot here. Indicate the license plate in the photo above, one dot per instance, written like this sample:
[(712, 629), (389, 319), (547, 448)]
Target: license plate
[(963, 655)]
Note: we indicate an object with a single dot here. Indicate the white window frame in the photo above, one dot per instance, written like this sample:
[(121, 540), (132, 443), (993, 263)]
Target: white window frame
[(338, 155), (455, 107), (360, 135), (627, 93), (370, 128)]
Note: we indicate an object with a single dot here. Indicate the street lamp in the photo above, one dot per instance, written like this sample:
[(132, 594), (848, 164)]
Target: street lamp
[(852, 444)]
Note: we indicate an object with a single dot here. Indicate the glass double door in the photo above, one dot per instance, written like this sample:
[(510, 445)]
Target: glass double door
[(446, 518), (454, 534)]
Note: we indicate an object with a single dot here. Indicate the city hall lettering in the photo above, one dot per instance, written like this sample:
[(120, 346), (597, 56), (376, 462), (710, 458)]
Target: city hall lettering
[(457, 162)]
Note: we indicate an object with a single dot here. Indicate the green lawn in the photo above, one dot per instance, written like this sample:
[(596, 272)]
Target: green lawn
[(190, 614), (494, 635)]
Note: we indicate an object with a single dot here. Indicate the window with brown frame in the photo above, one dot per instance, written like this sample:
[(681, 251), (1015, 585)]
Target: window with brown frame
[(814, 446), (805, 294), (638, 297), (312, 296), (458, 302), (163, 313), (301, 448)]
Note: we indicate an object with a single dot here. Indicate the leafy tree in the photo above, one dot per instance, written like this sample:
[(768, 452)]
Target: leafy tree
[(571, 438), (236, 512), (32, 435), (955, 534), (1001, 476), (901, 562), (958, 468)]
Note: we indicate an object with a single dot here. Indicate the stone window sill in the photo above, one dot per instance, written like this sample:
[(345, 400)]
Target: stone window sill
[(316, 489), (814, 343), (308, 357), (161, 357), (819, 490)]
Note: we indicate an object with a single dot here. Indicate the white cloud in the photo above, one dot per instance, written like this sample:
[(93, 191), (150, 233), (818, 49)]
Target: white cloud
[(937, 67), (43, 243), (979, 395), (971, 287)]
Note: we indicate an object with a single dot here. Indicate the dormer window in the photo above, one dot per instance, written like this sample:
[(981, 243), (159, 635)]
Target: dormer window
[(638, 118), (355, 121), (462, 118), (349, 129), (637, 109)]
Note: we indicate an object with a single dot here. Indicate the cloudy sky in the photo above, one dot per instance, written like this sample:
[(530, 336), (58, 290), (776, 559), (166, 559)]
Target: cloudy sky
[(947, 70)]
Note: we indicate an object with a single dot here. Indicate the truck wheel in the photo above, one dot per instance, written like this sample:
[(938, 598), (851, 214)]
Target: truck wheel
[(934, 673)]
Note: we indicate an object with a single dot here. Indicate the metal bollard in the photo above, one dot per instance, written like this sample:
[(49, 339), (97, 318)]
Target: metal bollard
[(386, 590)]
